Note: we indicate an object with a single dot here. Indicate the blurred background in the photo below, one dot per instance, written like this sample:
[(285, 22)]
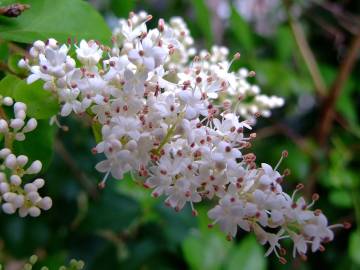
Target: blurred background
[(305, 51)]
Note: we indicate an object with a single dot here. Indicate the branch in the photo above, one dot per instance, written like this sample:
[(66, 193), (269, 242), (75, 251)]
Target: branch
[(305, 51), (5, 67), (328, 111), (79, 175), (13, 10)]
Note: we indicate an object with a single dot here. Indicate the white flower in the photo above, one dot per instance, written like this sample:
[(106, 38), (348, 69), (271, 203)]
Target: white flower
[(88, 53), (194, 104), (147, 54)]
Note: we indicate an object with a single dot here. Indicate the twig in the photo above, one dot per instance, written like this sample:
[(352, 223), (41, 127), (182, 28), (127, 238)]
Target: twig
[(5, 67), (328, 111), (306, 51), (13, 10), (79, 175)]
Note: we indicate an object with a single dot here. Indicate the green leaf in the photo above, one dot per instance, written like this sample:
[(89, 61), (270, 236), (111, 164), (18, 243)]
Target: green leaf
[(8, 85), (354, 247), (206, 248), (121, 8), (242, 31), (40, 103), (59, 19), (248, 255), (205, 251), (203, 19), (340, 198), (38, 144)]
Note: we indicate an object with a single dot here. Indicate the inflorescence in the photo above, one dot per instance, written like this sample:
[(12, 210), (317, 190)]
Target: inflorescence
[(181, 121)]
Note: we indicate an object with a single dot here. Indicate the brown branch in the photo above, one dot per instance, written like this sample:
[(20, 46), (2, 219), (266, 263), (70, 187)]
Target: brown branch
[(13, 10), (5, 67), (328, 111), (89, 186), (305, 51)]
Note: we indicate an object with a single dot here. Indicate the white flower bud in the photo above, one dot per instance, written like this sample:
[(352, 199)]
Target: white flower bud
[(45, 203), (23, 211), (15, 180), (33, 52), (4, 152), (30, 188), (8, 101), (19, 106), (8, 208), (61, 83), (9, 196), (33, 196), (4, 187), (4, 128), (21, 114), (34, 211), (18, 201), (52, 43), (127, 46), (131, 145), (39, 183), (22, 160), (22, 64), (20, 137), (39, 45), (30, 125), (34, 168), (16, 124), (10, 161)]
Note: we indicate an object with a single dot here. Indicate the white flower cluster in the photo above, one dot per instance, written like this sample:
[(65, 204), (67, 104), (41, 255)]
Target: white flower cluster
[(13, 168), (177, 125)]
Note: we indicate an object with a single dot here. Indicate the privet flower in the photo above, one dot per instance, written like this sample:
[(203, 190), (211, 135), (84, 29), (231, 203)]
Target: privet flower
[(14, 193), (183, 124)]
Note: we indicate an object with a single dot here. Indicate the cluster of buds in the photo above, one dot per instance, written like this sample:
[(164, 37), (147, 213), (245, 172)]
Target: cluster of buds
[(15, 129), (177, 126), (14, 195)]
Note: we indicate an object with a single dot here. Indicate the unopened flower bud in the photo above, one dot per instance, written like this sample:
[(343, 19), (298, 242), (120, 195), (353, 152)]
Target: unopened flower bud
[(19, 106), (34, 211), (21, 114), (4, 187), (22, 64), (22, 160), (18, 201), (15, 180), (9, 196), (39, 45), (8, 101), (30, 125), (33, 196), (34, 168), (45, 203), (30, 187), (10, 161), (39, 183), (8, 208), (20, 137), (4, 128), (4, 152), (17, 123)]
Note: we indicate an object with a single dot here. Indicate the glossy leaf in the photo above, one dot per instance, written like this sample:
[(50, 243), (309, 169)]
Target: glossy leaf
[(59, 19), (248, 255)]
